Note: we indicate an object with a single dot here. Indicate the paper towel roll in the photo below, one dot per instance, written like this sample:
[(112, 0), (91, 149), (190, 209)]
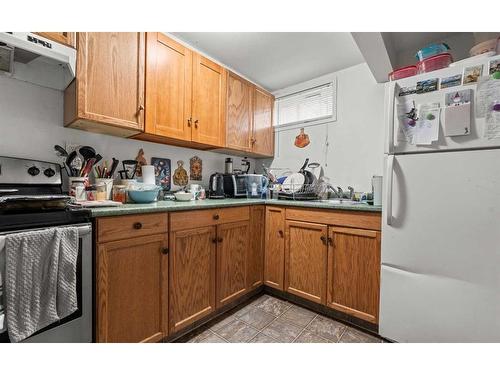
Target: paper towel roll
[(377, 190), (148, 174)]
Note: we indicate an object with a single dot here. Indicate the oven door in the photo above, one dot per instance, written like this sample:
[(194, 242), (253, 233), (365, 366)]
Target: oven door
[(77, 327)]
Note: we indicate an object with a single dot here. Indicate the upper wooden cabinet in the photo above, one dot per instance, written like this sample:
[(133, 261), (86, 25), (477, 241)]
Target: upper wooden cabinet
[(168, 88), (274, 257), (263, 133), (354, 272), (249, 125), (185, 95), (209, 101), (107, 95), (306, 260), (64, 37), (239, 113)]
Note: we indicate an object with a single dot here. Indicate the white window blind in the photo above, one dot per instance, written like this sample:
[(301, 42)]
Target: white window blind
[(308, 105)]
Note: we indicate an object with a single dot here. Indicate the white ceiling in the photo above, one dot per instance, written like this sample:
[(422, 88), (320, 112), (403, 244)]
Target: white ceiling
[(277, 60)]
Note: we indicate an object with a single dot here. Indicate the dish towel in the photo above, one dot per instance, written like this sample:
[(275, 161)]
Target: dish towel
[(40, 279), (3, 325)]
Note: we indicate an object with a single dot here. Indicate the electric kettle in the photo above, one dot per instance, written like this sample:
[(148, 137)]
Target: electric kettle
[(216, 186)]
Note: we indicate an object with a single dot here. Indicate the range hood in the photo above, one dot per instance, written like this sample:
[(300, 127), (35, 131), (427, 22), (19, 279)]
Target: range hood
[(32, 58)]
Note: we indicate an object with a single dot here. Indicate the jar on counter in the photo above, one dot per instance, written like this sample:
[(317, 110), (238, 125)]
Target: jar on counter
[(101, 194), (120, 193), (77, 186), (91, 193)]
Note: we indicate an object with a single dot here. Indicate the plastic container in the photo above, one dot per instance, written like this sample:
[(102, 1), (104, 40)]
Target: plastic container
[(434, 63), (431, 50), (406, 71), (108, 183), (91, 192), (100, 191), (492, 45)]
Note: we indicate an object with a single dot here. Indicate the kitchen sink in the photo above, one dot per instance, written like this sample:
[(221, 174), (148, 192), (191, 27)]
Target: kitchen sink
[(343, 202)]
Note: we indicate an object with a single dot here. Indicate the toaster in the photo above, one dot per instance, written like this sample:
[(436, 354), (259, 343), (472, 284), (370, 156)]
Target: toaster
[(235, 185)]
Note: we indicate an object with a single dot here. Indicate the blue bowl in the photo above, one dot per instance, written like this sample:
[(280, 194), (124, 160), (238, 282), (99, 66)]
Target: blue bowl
[(143, 196)]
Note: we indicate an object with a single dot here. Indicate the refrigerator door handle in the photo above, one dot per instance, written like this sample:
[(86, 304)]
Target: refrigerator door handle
[(388, 190)]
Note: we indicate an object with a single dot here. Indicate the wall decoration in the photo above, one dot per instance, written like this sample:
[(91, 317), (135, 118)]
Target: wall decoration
[(141, 160), (302, 140), (195, 168), (472, 74), (180, 174), (494, 68), (162, 172)]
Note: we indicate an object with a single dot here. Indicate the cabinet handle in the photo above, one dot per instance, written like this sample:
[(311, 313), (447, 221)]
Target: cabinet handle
[(214, 240), (253, 141), (196, 124), (216, 217), (280, 232), (190, 120), (137, 225), (323, 239), (165, 250), (330, 241), (219, 239), (141, 108)]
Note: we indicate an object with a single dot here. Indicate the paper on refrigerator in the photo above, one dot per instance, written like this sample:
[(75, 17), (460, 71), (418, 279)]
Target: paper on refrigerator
[(426, 125), (487, 91), (492, 126)]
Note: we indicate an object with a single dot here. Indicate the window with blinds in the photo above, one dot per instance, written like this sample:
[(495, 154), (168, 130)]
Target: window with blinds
[(309, 105)]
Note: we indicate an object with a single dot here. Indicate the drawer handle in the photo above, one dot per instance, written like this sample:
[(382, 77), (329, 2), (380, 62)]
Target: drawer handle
[(216, 217), (137, 225), (214, 240), (280, 232), (165, 250)]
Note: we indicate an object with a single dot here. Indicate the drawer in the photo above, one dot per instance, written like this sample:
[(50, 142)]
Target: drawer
[(203, 218), (352, 219), (130, 226)]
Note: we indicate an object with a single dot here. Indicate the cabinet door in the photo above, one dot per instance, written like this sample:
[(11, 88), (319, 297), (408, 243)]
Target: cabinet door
[(192, 275), (255, 259), (354, 272), (232, 249), (274, 259), (306, 260), (132, 290), (168, 82), (110, 78), (263, 133), (209, 102), (64, 37), (239, 113)]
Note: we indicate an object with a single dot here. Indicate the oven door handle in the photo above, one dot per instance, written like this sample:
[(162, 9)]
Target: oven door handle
[(84, 230)]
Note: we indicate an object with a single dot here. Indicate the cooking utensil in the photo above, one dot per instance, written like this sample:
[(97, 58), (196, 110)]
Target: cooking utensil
[(60, 151), (69, 163), (87, 152), (309, 177), (113, 168)]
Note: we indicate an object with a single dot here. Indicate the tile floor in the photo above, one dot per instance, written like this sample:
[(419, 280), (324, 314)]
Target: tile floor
[(271, 320)]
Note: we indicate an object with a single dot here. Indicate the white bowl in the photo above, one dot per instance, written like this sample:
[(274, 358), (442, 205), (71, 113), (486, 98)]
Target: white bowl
[(183, 196)]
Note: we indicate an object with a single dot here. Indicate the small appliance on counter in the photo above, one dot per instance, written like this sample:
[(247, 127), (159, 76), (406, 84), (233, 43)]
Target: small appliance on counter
[(256, 185), (235, 185), (216, 186)]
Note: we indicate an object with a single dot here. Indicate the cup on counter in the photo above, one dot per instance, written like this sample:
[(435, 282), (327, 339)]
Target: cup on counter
[(108, 183)]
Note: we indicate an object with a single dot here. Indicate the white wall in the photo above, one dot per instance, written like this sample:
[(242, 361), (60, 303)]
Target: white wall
[(350, 148), (31, 123)]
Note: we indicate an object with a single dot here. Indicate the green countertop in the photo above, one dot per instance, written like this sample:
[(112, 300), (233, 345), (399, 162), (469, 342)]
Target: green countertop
[(166, 206)]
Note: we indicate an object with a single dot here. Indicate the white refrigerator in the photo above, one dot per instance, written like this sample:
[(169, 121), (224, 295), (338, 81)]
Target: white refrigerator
[(440, 272)]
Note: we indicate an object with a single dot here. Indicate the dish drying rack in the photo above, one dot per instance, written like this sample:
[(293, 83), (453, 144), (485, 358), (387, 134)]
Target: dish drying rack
[(303, 192)]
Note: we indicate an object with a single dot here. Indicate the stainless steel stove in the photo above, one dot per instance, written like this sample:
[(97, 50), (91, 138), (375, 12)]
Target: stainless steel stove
[(31, 199)]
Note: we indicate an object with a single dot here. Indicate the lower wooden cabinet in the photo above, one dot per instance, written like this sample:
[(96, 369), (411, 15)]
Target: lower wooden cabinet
[(192, 275), (255, 259), (232, 249), (354, 272), (274, 258), (306, 253), (132, 289)]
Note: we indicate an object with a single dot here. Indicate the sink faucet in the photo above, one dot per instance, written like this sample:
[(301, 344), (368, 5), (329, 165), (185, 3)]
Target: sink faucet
[(351, 192), (341, 192), (335, 191)]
